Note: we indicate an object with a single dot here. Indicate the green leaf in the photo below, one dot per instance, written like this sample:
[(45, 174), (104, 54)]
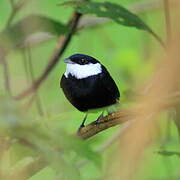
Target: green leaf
[(110, 10), (169, 153), (32, 30)]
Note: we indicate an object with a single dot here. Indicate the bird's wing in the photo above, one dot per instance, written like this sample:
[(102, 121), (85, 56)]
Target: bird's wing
[(109, 84), (62, 81)]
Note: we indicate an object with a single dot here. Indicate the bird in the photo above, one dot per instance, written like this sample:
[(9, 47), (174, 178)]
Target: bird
[(88, 85)]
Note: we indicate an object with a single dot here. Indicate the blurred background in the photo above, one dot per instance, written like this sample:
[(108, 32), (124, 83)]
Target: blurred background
[(38, 124)]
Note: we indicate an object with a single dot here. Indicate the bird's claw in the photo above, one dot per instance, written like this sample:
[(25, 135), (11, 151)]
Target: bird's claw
[(79, 129), (99, 118)]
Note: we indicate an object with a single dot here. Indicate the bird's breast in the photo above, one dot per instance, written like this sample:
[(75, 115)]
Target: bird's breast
[(82, 71), (83, 87)]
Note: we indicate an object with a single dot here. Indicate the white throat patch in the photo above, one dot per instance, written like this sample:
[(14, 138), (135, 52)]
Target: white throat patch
[(83, 71)]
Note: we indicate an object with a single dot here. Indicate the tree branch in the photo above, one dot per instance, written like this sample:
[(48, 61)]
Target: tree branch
[(15, 9), (105, 123), (123, 116)]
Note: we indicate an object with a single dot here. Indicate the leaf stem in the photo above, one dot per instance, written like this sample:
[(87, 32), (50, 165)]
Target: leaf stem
[(162, 43)]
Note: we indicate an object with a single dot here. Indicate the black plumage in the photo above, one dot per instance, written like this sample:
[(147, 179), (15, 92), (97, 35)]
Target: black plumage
[(93, 92), (92, 89)]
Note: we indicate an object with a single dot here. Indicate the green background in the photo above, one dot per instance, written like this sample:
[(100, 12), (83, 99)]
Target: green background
[(126, 52)]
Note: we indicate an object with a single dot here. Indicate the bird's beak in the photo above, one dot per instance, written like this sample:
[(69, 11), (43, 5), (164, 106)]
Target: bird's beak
[(68, 61)]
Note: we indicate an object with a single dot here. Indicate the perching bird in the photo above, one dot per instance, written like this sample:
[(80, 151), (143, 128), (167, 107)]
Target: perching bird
[(88, 85)]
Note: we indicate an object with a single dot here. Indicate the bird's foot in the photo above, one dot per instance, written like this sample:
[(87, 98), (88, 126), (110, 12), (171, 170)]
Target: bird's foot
[(82, 125), (79, 129), (99, 119), (109, 113)]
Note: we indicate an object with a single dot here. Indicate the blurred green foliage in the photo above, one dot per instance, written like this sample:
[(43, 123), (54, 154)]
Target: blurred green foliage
[(28, 135), (19, 35), (114, 11)]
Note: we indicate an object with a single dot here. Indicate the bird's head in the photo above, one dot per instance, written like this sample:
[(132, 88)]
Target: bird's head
[(81, 59), (82, 66)]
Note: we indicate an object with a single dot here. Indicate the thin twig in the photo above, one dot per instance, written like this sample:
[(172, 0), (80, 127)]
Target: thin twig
[(15, 9), (12, 3), (168, 19), (30, 102), (59, 51), (3, 59), (31, 69), (6, 76)]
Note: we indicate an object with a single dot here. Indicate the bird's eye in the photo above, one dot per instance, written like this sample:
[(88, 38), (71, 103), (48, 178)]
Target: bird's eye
[(84, 61)]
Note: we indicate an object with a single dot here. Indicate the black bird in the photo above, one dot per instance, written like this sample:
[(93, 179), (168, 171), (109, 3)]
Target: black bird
[(88, 85)]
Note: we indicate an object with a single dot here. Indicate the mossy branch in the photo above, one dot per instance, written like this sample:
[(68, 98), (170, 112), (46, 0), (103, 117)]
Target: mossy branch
[(106, 122)]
